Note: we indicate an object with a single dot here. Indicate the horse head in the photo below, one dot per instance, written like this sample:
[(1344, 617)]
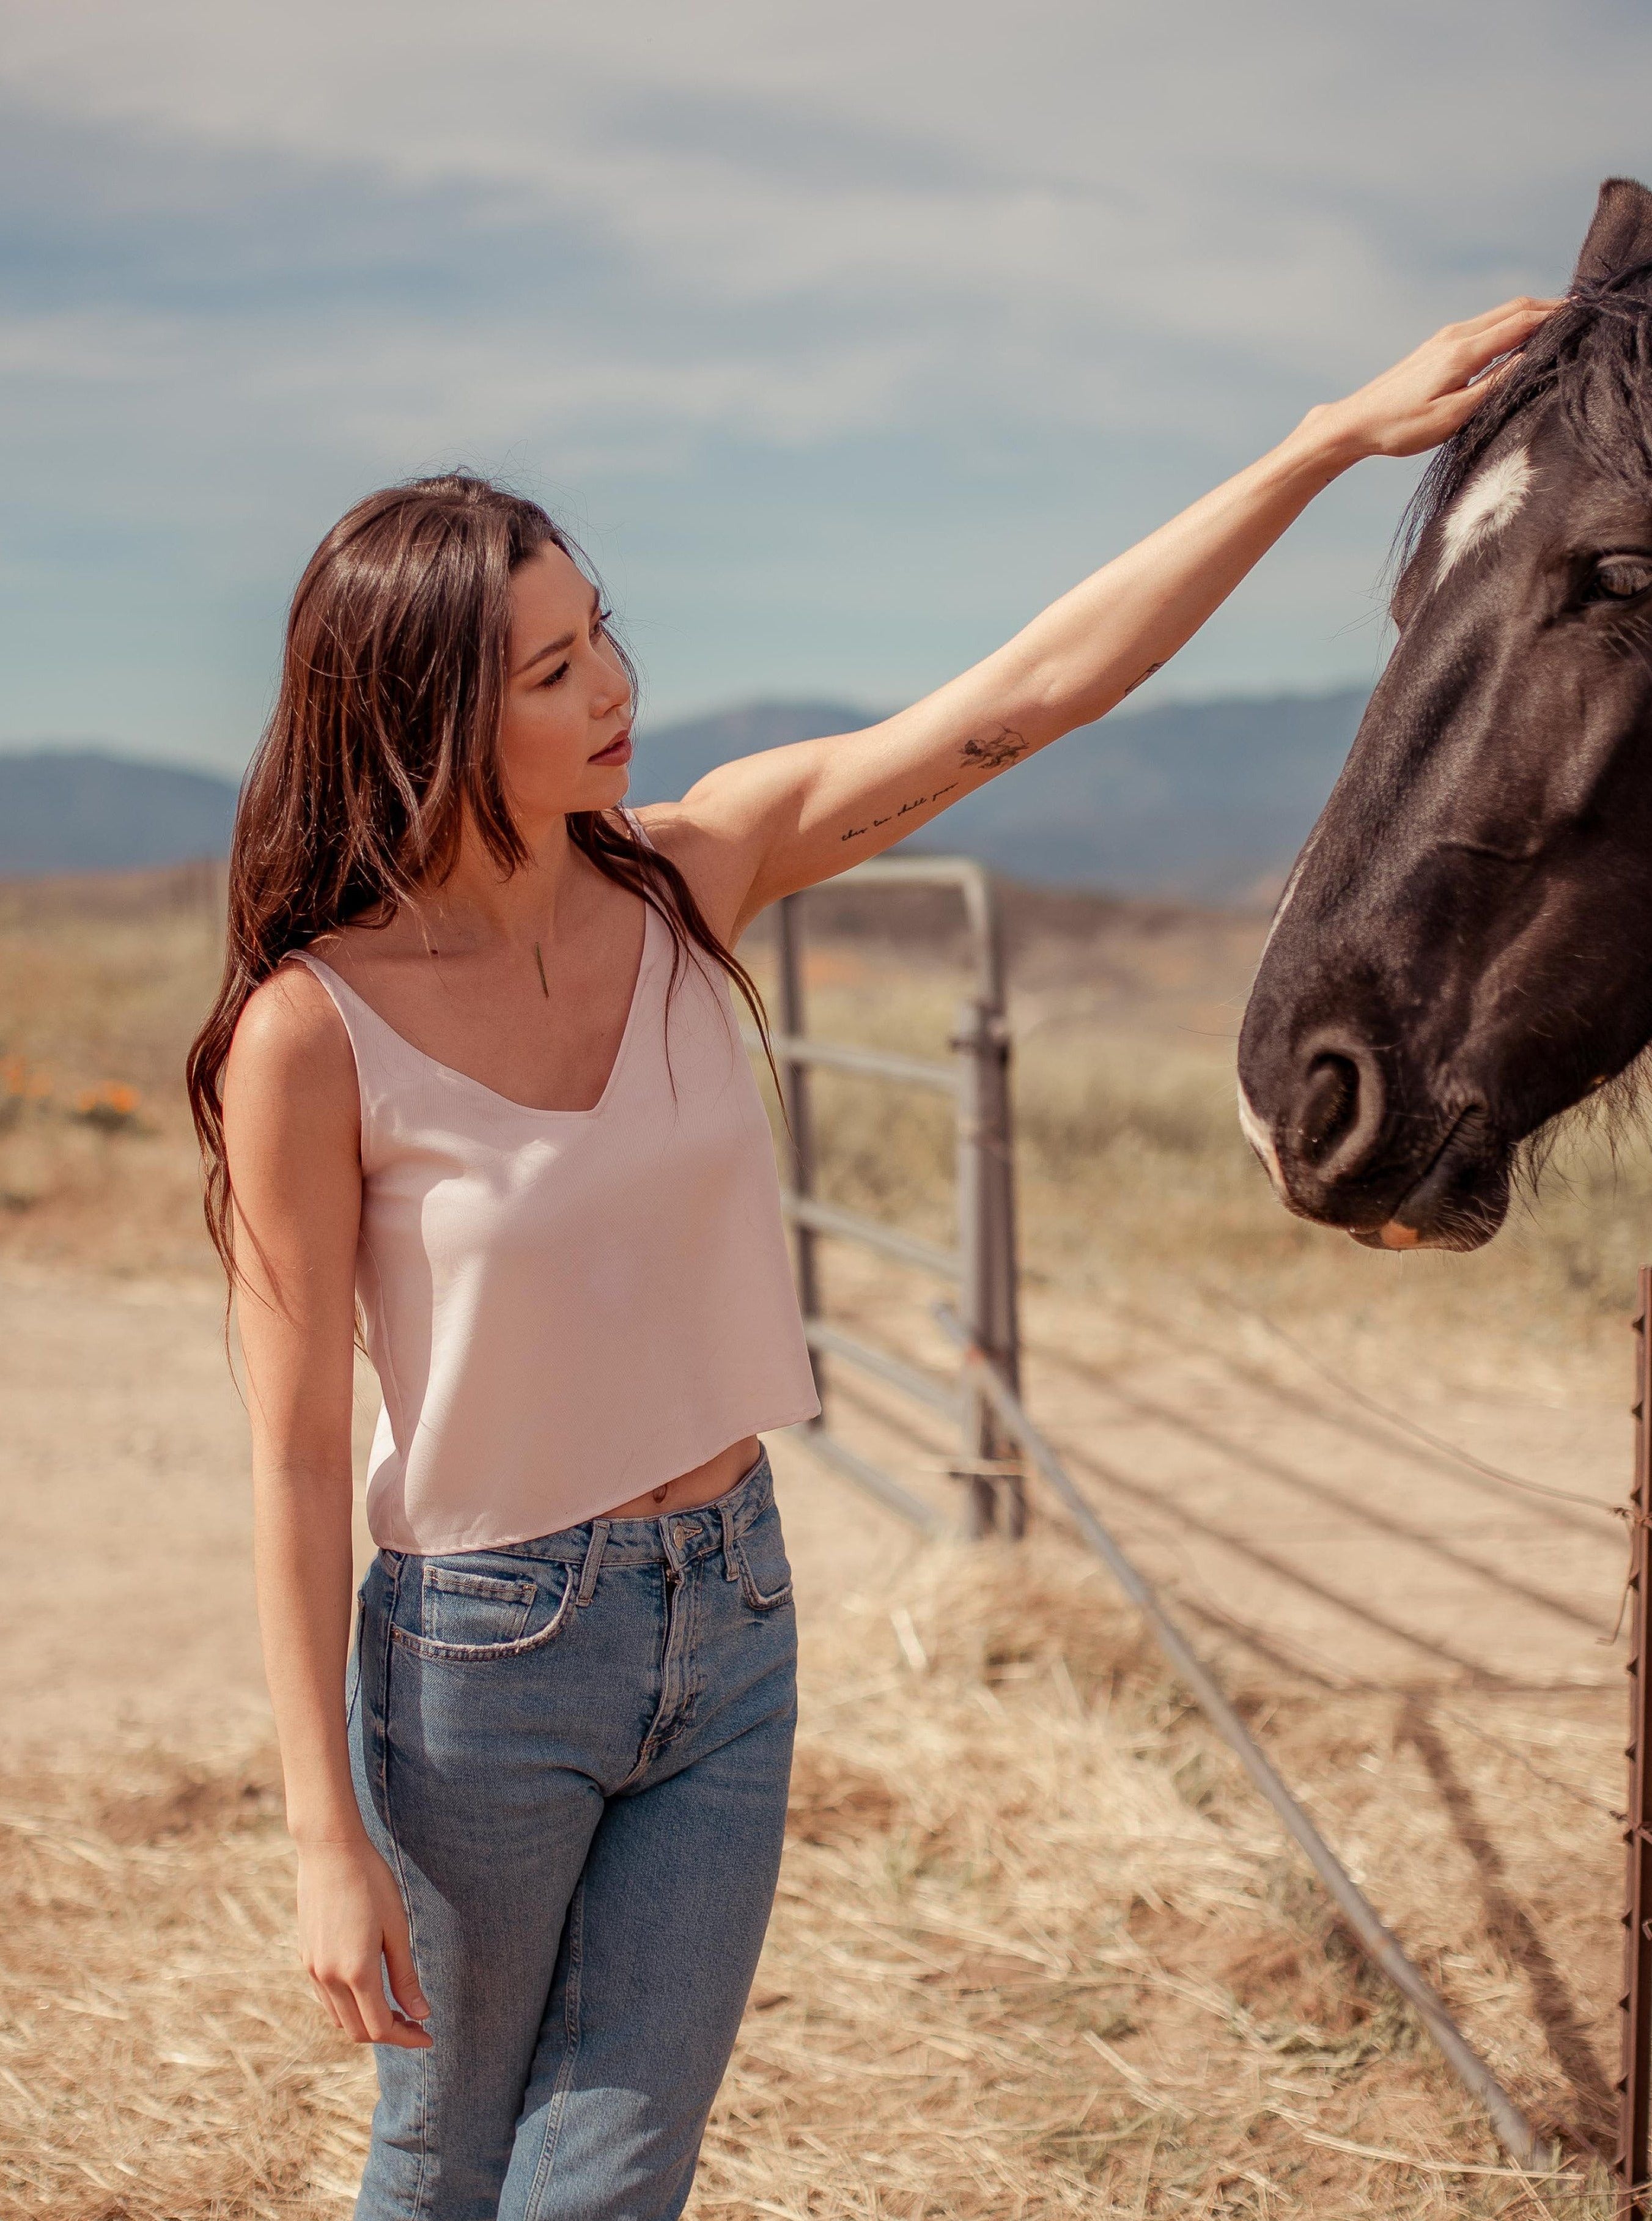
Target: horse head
[(1464, 949)]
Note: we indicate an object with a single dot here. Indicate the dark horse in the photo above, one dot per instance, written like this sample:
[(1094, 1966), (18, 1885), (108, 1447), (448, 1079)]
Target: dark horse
[(1464, 949)]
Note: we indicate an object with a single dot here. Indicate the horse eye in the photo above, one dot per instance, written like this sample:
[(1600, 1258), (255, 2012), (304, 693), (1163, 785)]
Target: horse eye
[(1620, 578)]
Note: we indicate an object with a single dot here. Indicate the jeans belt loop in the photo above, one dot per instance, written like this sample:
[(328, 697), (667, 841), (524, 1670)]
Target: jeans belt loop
[(593, 1564), (669, 1546), (730, 1546)]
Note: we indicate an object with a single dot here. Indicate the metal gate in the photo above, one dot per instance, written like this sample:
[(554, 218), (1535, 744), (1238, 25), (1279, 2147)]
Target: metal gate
[(981, 1269), (995, 1431)]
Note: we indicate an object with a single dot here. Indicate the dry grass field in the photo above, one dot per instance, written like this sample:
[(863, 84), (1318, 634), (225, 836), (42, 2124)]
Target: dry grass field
[(1038, 1951)]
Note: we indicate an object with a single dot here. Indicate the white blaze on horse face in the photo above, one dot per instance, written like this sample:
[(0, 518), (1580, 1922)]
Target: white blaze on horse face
[(1484, 508), (1291, 885), (1260, 1139)]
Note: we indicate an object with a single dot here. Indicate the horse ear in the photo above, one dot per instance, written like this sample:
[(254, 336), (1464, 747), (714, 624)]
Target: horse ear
[(1620, 235)]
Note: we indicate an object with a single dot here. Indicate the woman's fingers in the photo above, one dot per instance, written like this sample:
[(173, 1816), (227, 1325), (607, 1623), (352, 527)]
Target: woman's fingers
[(1493, 367), (1449, 415), (341, 1999), (381, 2023), (404, 1976), (1522, 304), (357, 2005), (1465, 358), (1458, 404), (324, 2000)]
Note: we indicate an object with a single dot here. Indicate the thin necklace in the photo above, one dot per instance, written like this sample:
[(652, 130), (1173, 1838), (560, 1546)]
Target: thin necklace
[(432, 951)]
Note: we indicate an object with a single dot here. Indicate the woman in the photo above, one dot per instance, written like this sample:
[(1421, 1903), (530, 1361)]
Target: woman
[(473, 1079)]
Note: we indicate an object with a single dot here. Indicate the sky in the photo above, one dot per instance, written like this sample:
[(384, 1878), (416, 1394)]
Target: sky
[(844, 336)]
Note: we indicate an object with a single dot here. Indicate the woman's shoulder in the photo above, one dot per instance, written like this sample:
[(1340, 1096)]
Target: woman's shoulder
[(711, 864), (291, 1101), (290, 1030)]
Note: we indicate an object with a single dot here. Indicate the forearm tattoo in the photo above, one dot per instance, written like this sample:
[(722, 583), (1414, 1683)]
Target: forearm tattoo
[(994, 752), (982, 753)]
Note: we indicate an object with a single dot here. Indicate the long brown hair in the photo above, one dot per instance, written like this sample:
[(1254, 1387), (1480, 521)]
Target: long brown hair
[(383, 739)]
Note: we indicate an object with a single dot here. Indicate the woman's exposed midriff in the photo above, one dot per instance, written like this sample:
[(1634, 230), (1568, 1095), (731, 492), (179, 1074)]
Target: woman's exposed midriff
[(699, 1485)]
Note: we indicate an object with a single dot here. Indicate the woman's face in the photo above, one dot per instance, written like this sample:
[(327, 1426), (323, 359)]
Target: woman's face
[(565, 740)]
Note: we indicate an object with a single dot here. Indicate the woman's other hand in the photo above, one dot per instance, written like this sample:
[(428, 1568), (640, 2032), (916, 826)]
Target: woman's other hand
[(352, 1925), (1436, 388)]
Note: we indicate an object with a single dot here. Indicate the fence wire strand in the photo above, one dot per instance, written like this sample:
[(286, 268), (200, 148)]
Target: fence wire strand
[(1413, 1427)]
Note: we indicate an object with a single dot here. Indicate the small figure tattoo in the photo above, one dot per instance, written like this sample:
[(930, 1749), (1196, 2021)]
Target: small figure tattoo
[(1143, 680), (993, 754)]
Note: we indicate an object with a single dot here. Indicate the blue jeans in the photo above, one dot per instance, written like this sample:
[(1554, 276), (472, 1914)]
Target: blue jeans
[(574, 1755)]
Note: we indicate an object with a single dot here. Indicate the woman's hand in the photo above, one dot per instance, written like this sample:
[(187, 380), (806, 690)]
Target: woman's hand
[(1434, 391), (352, 1925)]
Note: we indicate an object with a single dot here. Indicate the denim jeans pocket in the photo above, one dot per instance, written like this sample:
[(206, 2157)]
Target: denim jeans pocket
[(765, 1570), (467, 1615)]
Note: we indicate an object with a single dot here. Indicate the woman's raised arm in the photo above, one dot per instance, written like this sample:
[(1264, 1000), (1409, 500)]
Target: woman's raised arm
[(764, 826)]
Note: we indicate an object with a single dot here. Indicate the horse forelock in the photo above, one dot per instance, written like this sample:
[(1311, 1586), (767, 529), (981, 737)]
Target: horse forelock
[(1594, 359)]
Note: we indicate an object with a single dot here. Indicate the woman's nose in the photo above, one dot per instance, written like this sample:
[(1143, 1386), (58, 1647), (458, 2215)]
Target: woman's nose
[(612, 689)]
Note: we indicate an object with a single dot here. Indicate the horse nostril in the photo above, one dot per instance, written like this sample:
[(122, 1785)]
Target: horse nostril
[(1329, 1107)]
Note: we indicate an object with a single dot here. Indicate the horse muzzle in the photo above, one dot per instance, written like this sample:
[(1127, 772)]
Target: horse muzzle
[(1345, 1147)]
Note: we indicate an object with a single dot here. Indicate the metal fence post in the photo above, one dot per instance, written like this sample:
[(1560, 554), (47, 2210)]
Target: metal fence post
[(794, 1095), (982, 1267), (1634, 2158), (986, 1243)]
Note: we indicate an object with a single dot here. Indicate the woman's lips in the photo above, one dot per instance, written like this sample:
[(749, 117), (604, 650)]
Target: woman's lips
[(619, 750)]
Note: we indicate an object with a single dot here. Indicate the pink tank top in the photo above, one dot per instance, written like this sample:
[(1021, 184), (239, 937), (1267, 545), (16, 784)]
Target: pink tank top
[(566, 1308)]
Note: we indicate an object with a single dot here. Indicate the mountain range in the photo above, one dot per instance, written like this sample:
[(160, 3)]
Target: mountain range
[(88, 810), (1204, 801)]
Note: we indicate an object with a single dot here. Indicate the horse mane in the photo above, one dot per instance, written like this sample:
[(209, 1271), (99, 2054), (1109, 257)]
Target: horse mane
[(1593, 356)]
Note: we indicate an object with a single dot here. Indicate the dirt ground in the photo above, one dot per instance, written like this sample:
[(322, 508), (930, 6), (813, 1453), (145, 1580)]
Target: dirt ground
[(1038, 1949), (1399, 1623)]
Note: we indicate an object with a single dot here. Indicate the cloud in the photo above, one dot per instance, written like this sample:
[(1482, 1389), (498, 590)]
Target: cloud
[(870, 309)]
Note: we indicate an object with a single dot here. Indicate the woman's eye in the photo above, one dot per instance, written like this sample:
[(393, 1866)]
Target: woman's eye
[(551, 677), (1620, 578)]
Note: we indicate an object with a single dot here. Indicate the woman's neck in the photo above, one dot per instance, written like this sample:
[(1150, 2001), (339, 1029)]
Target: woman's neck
[(478, 903)]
